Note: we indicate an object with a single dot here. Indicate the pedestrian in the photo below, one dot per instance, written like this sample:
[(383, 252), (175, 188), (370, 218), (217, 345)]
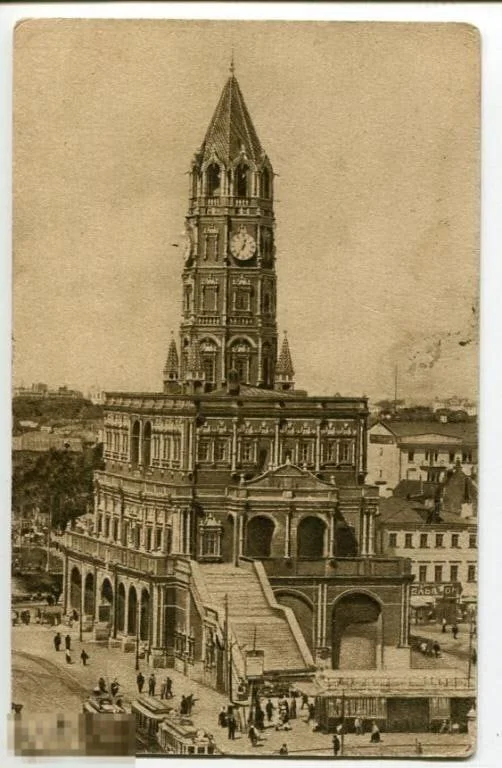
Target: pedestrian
[(305, 701), (253, 736), (169, 688), (232, 725), (311, 713), (68, 656), (269, 709), (222, 718), (454, 631), (190, 701), (67, 643), (151, 685), (436, 648), (84, 656), (140, 681), (444, 727), (358, 726), (283, 750), (260, 718), (292, 709), (57, 641), (443, 624), (114, 687), (102, 685), (375, 733), (183, 706), (336, 744)]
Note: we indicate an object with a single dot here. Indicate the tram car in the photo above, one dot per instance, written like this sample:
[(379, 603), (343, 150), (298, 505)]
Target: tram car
[(103, 705), (149, 713), (107, 729), (178, 736)]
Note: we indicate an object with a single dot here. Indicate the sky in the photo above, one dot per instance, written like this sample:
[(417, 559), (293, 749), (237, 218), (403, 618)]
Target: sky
[(373, 130)]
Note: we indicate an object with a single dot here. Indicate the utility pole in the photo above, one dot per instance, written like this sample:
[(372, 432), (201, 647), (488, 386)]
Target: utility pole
[(137, 637), (228, 649), (469, 662), (342, 735), (395, 390)]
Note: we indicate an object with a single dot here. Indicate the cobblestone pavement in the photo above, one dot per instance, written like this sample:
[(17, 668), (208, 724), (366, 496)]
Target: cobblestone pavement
[(43, 681)]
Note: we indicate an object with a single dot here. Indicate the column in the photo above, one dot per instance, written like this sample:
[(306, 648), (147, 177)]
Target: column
[(188, 519), (236, 551), (140, 444), (364, 534), (154, 607), (241, 535), (126, 610), (331, 535), (190, 445), (318, 447), (259, 377), (287, 542), (319, 615), (277, 439), (371, 543), (234, 444), (65, 584)]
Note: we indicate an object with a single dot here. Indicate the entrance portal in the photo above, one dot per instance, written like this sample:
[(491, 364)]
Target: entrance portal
[(259, 532), (310, 537), (356, 632)]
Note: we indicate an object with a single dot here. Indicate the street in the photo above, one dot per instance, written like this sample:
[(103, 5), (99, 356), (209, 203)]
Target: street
[(43, 682)]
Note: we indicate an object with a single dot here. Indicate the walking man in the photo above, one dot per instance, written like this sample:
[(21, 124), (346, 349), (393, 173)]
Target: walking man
[(169, 688), (454, 631), (336, 744), (358, 726), (114, 687), (140, 681), (57, 641), (67, 643), (151, 685), (443, 624), (232, 725), (269, 709), (68, 656), (84, 656)]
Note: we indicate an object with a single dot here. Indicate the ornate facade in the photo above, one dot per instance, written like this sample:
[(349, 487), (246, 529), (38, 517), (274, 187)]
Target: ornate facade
[(232, 502)]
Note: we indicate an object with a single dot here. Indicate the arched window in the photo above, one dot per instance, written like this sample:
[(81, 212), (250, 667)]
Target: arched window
[(265, 183), (240, 359), (241, 181), (135, 443), (213, 180)]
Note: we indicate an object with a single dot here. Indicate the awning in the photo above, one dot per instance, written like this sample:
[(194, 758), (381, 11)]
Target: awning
[(420, 602), (309, 688)]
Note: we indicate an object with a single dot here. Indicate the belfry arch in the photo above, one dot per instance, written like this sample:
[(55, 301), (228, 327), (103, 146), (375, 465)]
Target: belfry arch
[(259, 535)]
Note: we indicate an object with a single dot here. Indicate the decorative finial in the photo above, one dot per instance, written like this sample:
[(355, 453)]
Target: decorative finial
[(232, 63)]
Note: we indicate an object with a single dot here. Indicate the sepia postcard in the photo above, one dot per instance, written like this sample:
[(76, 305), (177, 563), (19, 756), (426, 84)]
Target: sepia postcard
[(245, 388)]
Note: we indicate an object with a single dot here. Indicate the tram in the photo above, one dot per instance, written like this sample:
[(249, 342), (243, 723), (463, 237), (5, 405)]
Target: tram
[(178, 736)]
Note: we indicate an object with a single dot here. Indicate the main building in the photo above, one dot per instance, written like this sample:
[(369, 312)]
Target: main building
[(232, 525)]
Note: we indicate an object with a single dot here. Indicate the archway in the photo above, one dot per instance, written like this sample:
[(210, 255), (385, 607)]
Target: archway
[(144, 619), (89, 604), (356, 633), (121, 604), (304, 613), (345, 540), (259, 533), (106, 606), (241, 180), (310, 537), (213, 180), (135, 442), (132, 613), (75, 589), (147, 440)]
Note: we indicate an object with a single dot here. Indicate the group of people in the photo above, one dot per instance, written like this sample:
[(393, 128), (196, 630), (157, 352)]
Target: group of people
[(429, 648), (454, 628), (58, 640)]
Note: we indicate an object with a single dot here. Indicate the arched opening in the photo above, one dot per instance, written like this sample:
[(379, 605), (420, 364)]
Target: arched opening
[(304, 614), (265, 183), (89, 606), (240, 360), (132, 612), (241, 180), (121, 604), (213, 180), (259, 533), (356, 632), (144, 619), (310, 537), (106, 605), (75, 589), (147, 443), (135, 442), (345, 540)]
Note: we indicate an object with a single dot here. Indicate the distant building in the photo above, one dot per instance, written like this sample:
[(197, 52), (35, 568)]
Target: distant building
[(42, 390), (456, 404), (419, 450), (44, 441), (441, 543), (96, 396), (26, 424)]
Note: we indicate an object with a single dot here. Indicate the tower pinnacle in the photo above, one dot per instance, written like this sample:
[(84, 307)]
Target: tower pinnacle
[(232, 63)]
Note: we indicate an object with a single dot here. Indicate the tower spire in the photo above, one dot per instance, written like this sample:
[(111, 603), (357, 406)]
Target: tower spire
[(171, 368), (232, 63), (284, 371)]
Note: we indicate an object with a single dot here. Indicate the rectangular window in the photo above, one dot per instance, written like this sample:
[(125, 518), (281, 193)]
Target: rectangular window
[(471, 573), (247, 451), (438, 573), (451, 457), (436, 456), (242, 300), (427, 455), (125, 534), (220, 450), (209, 295), (408, 540), (423, 541), (166, 448), (137, 537), (453, 572), (411, 456), (158, 538), (331, 451), (439, 539), (176, 448), (466, 457), (454, 540), (107, 527), (422, 573), (392, 539), (148, 542), (100, 523), (115, 529), (473, 541), (304, 453), (344, 452), (203, 450)]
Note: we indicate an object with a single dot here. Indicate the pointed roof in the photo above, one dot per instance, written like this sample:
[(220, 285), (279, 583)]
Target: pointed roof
[(231, 129), (193, 358), (284, 365), (172, 362)]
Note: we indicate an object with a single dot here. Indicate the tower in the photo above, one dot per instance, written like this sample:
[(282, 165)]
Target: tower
[(171, 369), (284, 371), (229, 280)]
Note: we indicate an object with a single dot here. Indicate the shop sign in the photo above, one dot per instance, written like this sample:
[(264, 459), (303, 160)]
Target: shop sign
[(436, 590)]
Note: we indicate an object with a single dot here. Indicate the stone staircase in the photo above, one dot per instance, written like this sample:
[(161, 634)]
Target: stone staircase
[(256, 619)]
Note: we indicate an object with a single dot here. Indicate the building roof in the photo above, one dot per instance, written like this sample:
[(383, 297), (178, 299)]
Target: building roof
[(467, 430), (231, 129), (257, 392), (284, 365), (395, 511)]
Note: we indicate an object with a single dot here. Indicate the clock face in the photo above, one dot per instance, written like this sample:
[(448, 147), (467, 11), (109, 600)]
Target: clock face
[(242, 246)]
